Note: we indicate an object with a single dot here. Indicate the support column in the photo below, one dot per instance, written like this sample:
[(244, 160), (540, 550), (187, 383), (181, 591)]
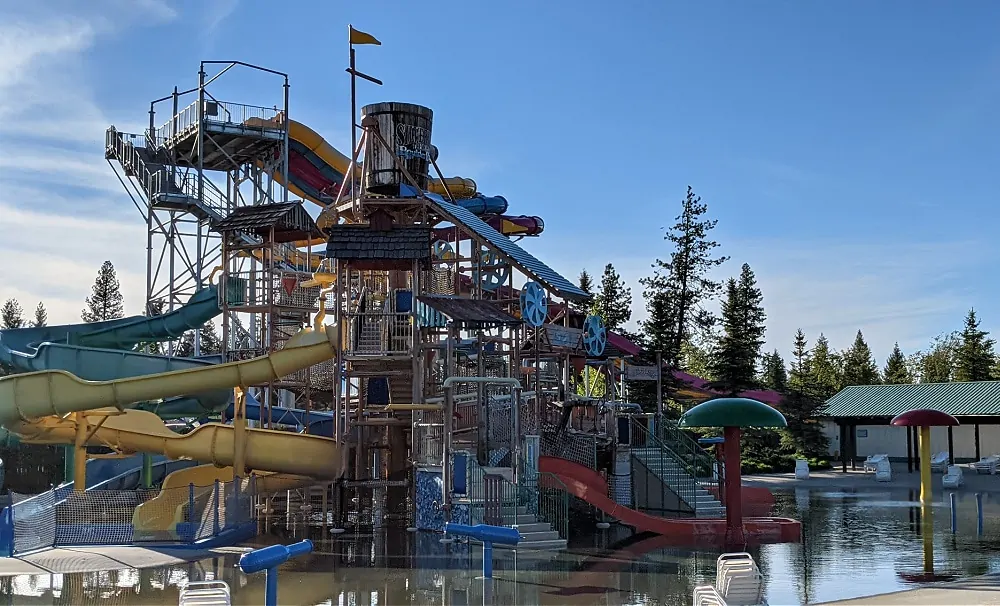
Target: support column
[(734, 497), (80, 454), (854, 446), (909, 450), (927, 518), (976, 428), (147, 470), (951, 446), (843, 447)]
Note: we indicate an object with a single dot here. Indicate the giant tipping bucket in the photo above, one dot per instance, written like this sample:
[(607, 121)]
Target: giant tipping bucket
[(406, 128)]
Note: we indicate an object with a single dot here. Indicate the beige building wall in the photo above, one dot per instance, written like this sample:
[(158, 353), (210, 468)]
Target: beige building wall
[(885, 439)]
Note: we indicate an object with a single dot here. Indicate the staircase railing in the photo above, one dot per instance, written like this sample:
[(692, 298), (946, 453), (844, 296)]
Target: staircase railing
[(701, 464), (667, 466), (495, 499), (553, 501)]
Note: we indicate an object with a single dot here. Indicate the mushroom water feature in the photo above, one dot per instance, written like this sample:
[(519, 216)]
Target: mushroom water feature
[(732, 414), (925, 418)]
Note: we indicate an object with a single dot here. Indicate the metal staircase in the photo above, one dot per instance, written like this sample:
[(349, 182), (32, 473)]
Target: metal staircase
[(680, 465), (150, 168)]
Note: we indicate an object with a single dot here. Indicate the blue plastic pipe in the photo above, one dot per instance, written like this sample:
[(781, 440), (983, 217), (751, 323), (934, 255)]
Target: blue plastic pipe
[(487, 535), (979, 513), (268, 559)]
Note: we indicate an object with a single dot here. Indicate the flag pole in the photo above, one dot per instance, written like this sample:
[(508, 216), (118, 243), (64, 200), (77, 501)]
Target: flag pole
[(354, 111)]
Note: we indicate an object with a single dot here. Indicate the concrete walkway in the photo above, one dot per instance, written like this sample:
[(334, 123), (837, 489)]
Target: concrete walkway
[(68, 560), (834, 478), (984, 590)]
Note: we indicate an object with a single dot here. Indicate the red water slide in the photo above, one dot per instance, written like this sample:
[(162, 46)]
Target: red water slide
[(590, 486)]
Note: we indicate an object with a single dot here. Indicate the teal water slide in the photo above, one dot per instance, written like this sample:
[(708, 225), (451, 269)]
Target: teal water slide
[(104, 351)]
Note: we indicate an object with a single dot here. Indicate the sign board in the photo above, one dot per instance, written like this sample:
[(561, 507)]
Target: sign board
[(562, 336), (641, 373), (862, 433)]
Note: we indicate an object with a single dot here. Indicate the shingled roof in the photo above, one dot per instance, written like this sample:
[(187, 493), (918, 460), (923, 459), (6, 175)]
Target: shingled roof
[(469, 313), (361, 242), (289, 220)]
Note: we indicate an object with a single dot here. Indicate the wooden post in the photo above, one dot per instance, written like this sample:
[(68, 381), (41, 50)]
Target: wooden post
[(976, 428), (843, 447)]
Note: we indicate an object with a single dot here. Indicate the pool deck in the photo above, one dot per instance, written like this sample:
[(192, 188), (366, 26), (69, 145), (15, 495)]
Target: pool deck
[(67, 560), (983, 590), (834, 478)]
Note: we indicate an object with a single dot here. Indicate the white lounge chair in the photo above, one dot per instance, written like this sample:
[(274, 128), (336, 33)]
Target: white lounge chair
[(883, 471), (987, 464), (205, 593), (872, 461), (738, 580), (953, 478), (939, 461), (708, 595)]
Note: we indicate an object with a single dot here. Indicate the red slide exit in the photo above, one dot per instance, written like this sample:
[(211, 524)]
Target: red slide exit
[(590, 486)]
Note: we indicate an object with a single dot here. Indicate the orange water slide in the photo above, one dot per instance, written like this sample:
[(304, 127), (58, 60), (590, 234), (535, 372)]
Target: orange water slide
[(589, 485)]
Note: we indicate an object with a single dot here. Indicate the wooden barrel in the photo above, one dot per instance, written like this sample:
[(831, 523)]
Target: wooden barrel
[(406, 128)]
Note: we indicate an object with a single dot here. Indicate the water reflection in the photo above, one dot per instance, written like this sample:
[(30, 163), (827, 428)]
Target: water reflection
[(854, 544)]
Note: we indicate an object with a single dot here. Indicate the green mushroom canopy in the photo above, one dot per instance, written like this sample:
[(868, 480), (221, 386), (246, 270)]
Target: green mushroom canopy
[(732, 412)]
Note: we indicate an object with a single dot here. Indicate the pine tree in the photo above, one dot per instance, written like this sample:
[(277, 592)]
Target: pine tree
[(773, 374), (614, 299), (683, 280), (937, 365), (106, 301), (974, 357), (859, 365), (826, 369), (11, 315), (802, 405), (734, 361), (897, 370), (210, 342), (41, 316), (586, 282), (696, 360)]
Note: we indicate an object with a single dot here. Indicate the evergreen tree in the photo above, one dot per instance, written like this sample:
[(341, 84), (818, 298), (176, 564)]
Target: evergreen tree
[(826, 369), (937, 365), (897, 370), (974, 357), (11, 315), (773, 374), (614, 299), (210, 342), (859, 365), (734, 361), (586, 283), (696, 360), (683, 279), (41, 316), (802, 405), (106, 301)]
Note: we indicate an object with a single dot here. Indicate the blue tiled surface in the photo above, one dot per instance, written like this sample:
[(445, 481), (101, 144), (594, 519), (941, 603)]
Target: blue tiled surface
[(428, 516)]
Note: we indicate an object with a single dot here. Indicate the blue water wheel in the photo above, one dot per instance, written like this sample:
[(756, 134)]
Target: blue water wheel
[(492, 271), (595, 336), (534, 304), (442, 251)]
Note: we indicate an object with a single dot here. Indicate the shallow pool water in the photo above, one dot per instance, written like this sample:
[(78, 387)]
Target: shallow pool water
[(854, 544)]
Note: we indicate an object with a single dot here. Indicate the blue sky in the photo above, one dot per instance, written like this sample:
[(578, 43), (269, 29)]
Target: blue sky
[(848, 149)]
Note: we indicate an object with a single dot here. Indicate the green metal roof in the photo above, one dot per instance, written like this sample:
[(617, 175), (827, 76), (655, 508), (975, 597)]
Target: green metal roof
[(972, 398)]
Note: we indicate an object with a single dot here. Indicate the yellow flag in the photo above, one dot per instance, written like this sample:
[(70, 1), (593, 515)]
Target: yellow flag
[(358, 37)]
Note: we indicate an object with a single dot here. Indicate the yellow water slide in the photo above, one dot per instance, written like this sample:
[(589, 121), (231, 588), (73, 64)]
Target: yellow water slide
[(158, 517), (322, 165), (56, 407)]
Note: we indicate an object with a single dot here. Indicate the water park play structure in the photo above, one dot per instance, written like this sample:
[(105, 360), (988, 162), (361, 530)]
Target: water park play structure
[(390, 355)]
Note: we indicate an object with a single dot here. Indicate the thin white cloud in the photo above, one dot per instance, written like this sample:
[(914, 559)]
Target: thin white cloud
[(63, 211)]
